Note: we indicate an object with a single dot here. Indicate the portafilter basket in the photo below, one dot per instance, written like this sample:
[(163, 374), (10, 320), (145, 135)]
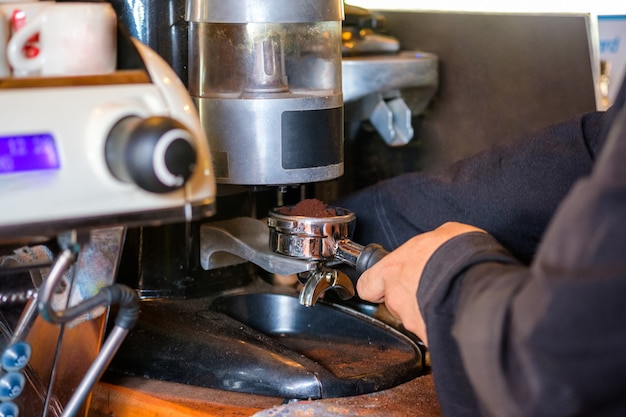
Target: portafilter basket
[(321, 238)]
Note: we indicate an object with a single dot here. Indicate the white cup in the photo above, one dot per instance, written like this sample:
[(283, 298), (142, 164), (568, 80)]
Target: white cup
[(74, 39)]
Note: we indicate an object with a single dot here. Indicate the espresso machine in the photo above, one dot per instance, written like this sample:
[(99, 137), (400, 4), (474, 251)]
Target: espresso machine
[(266, 80), (124, 149)]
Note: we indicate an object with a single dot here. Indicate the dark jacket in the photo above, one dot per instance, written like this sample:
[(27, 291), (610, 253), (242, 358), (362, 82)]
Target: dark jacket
[(531, 320), (544, 340)]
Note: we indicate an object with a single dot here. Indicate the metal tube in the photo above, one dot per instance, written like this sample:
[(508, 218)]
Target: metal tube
[(23, 325), (99, 365), (60, 266)]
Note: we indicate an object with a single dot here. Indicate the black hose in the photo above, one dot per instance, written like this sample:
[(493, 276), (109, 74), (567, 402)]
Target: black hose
[(117, 294), (128, 302)]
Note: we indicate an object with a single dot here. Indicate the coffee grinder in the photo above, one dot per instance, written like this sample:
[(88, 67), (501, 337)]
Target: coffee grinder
[(266, 78)]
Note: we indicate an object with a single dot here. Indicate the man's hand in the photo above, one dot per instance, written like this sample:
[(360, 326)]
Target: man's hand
[(395, 279)]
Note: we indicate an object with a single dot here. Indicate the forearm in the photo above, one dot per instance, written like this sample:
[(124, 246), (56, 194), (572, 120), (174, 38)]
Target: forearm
[(511, 191), (520, 341), (472, 261)]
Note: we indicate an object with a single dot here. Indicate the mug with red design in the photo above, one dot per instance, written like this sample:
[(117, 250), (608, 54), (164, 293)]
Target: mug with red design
[(66, 39), (13, 15)]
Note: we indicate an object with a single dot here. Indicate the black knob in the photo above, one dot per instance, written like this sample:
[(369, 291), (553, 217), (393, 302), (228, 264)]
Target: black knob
[(370, 255), (156, 153)]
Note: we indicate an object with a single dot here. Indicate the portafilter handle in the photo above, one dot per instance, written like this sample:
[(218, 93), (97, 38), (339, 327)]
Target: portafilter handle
[(370, 255), (358, 256)]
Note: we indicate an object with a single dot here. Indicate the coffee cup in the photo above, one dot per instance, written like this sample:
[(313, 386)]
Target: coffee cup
[(75, 38)]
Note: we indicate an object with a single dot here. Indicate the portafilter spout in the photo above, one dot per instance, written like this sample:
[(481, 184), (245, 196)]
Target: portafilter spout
[(351, 253)]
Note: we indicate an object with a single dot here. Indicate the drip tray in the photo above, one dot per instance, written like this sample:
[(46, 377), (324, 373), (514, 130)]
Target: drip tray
[(267, 344)]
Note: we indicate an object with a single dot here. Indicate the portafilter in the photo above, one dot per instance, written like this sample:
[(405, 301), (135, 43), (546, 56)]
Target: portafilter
[(321, 238)]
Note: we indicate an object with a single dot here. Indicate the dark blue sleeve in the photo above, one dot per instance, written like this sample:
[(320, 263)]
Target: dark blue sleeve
[(510, 191)]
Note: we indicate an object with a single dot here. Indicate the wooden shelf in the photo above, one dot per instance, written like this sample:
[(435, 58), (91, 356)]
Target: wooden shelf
[(118, 77), (137, 397)]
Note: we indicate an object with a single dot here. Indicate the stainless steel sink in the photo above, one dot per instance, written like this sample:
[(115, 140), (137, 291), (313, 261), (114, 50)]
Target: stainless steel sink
[(266, 343)]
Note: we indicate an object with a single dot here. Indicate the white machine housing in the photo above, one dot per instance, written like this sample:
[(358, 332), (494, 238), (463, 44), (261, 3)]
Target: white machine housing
[(83, 192)]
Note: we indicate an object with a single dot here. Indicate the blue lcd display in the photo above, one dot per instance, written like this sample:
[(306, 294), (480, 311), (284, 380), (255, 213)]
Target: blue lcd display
[(32, 152)]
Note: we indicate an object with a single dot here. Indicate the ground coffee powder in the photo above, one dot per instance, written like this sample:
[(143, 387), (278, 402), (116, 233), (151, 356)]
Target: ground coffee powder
[(310, 207)]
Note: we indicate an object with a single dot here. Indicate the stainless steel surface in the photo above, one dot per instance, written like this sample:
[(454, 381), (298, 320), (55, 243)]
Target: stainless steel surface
[(368, 74), (323, 239), (234, 241), (51, 286), (311, 238), (266, 79), (348, 252), (392, 120), (321, 280), (388, 90), (229, 242), (253, 11), (24, 324), (238, 129), (61, 352), (268, 74)]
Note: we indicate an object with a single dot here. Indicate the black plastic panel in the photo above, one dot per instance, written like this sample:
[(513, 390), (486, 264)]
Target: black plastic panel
[(312, 138)]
